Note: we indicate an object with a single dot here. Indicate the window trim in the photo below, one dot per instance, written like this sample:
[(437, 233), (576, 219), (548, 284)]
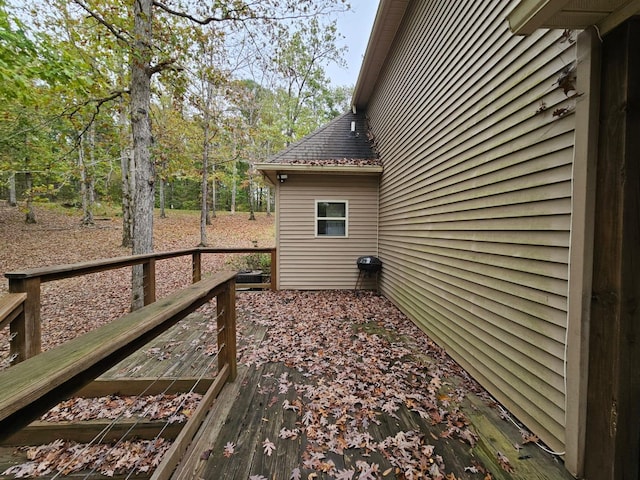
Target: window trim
[(345, 218)]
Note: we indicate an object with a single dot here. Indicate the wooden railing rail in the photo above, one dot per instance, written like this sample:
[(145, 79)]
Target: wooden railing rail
[(26, 342), (11, 306), (36, 384), (12, 313)]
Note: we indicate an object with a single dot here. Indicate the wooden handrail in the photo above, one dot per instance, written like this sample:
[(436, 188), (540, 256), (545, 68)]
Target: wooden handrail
[(60, 272), (26, 342)]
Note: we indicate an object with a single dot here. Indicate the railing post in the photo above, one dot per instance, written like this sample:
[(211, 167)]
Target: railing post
[(149, 280), (226, 322), (274, 269), (25, 329), (197, 266)]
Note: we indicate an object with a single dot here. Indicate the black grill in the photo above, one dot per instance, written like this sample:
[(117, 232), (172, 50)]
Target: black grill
[(369, 264)]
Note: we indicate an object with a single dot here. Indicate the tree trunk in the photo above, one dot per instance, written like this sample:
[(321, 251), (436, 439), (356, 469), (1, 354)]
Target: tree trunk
[(83, 179), (141, 129), (86, 185), (268, 198), (268, 152), (206, 147), (233, 186), (252, 209), (205, 181), (126, 167), (212, 211), (91, 181), (31, 214), (234, 174), (13, 202), (161, 184)]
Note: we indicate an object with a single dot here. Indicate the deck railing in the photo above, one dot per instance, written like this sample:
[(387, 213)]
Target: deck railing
[(33, 386), (24, 316)]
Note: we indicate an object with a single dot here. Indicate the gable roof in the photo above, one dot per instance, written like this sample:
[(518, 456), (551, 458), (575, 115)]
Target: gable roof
[(342, 146), (334, 142)]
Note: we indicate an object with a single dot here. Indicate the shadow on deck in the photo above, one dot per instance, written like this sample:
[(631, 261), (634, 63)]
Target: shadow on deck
[(329, 386)]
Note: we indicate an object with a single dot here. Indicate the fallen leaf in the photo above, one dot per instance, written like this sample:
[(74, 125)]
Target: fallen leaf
[(268, 447), (295, 474), (504, 463), (229, 449)]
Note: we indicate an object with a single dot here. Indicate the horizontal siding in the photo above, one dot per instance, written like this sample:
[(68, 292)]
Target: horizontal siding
[(475, 198), (309, 263)]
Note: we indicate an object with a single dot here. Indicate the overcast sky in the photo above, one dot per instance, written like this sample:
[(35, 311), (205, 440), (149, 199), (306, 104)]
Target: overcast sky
[(355, 26)]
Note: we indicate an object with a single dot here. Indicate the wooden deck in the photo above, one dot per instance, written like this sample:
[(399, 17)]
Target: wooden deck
[(249, 414), (250, 411)]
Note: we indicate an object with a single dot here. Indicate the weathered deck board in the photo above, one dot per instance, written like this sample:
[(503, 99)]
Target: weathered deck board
[(243, 427), (102, 386), (10, 307), (180, 352), (205, 440), (496, 434), (85, 432)]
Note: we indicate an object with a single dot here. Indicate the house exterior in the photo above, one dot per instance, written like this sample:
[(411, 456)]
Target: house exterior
[(507, 206), (327, 206)]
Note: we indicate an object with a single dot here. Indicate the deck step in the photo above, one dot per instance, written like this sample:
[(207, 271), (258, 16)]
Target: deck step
[(39, 433)]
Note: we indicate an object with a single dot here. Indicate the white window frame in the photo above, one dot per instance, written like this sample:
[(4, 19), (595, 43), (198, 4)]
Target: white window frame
[(345, 218)]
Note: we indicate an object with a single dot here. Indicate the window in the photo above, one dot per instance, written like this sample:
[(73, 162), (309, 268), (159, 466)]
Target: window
[(331, 218)]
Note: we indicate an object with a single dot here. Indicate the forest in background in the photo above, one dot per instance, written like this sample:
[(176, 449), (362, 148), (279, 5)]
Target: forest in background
[(231, 84)]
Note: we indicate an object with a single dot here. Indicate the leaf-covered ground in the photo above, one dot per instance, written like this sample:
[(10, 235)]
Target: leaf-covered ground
[(77, 305)]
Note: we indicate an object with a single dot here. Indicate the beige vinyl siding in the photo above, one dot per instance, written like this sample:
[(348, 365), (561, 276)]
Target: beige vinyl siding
[(475, 198), (307, 262)]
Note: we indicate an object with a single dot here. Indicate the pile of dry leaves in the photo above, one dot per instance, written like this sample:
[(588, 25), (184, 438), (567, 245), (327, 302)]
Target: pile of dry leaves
[(124, 457), (67, 457), (171, 408)]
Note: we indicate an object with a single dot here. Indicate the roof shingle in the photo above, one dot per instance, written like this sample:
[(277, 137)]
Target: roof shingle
[(333, 144)]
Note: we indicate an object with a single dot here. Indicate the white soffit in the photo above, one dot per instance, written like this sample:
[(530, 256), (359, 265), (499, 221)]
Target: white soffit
[(605, 15)]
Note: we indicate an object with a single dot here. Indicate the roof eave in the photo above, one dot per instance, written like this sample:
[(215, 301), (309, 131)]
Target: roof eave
[(385, 26), (272, 170)]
